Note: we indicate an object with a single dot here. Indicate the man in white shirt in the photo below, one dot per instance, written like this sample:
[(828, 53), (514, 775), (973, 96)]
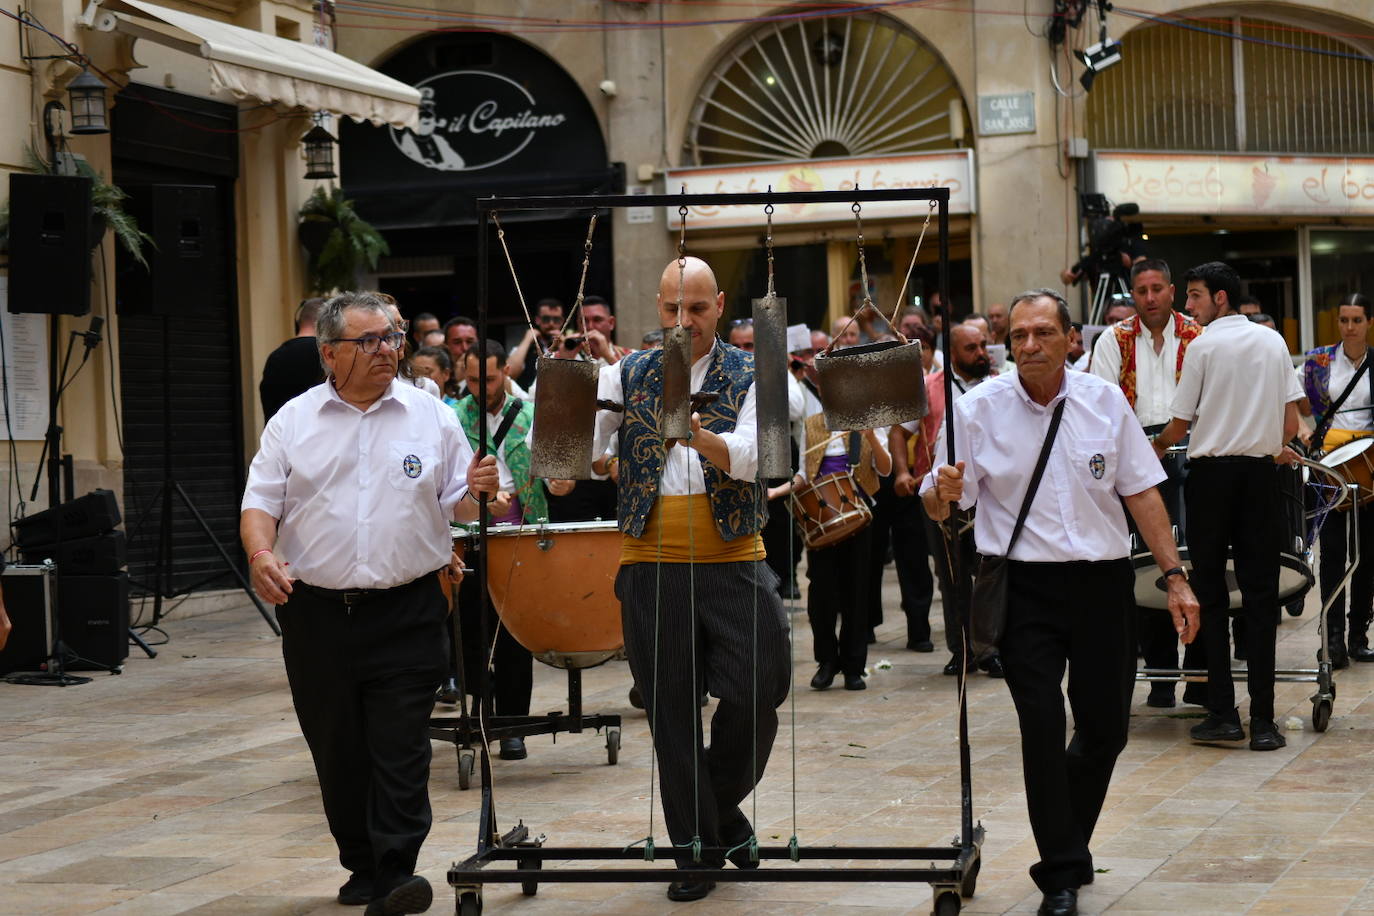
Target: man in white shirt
[(696, 597), (1240, 395), (1069, 579), (346, 524), (1144, 355)]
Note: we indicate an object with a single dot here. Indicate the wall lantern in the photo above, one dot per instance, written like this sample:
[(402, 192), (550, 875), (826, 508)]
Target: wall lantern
[(319, 152), (87, 94)]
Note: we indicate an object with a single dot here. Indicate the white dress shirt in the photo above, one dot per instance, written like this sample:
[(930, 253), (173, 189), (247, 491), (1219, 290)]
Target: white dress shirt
[(1100, 454), (1355, 413), (835, 445), (1155, 373), (1237, 378), (682, 474), (363, 498)]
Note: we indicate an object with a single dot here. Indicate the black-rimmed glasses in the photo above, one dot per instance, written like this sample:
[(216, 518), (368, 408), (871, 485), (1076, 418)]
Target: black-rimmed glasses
[(371, 344)]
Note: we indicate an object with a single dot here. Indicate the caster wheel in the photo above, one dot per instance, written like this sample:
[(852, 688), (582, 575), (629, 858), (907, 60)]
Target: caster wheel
[(612, 745), (1321, 714), (529, 887), (970, 883), (467, 758), (470, 903), (947, 903)]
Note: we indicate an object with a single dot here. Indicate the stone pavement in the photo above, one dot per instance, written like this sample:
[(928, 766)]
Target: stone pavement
[(183, 786)]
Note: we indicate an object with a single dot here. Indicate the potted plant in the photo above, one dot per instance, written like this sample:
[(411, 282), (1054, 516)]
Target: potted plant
[(339, 242), (107, 209)]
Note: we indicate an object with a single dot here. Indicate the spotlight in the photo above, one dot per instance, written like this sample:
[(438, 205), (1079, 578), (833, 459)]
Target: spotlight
[(1097, 58)]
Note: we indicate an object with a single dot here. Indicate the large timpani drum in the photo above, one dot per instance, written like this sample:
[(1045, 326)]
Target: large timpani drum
[(1295, 572), (1355, 462), (553, 586), (829, 510)]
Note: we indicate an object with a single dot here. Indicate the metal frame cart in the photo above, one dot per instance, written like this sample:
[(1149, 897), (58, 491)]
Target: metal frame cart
[(955, 875)]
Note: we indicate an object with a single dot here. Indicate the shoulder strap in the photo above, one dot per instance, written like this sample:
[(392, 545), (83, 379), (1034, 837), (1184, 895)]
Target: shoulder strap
[(1039, 472), (1330, 417), (511, 413)]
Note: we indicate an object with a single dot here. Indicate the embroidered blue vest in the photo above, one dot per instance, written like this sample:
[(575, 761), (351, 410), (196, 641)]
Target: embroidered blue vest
[(735, 504)]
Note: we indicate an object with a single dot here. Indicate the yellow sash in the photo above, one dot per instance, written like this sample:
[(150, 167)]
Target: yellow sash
[(1335, 438), (689, 535)]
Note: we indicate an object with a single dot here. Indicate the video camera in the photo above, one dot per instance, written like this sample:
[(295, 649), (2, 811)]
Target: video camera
[(1109, 235)]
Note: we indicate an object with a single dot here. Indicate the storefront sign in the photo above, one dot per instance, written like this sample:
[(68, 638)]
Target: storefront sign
[(952, 169), (1238, 183), (1010, 113)]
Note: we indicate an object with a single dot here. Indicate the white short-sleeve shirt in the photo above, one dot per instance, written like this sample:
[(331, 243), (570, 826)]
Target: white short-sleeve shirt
[(1100, 455)]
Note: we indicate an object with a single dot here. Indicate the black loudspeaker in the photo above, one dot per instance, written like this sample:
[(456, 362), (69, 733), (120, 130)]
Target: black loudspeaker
[(50, 244), (101, 555), (82, 517), (179, 219), (93, 621), (28, 604)]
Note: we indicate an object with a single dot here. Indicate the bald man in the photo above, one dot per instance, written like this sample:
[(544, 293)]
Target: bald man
[(698, 603), (845, 332)]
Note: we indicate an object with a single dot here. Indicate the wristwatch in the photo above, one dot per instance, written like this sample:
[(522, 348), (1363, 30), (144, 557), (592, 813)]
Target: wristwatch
[(1176, 571)]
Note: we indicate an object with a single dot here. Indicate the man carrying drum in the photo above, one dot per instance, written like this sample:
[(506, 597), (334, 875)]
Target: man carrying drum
[(697, 600), (1144, 355), (1239, 394), (1340, 396), (972, 366)]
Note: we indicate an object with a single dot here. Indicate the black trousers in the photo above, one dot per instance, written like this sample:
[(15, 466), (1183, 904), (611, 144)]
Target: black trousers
[(511, 668), (912, 558), (955, 591), (1234, 502), (724, 624), (1332, 566), (781, 543), (838, 590), (1079, 615), (362, 681)]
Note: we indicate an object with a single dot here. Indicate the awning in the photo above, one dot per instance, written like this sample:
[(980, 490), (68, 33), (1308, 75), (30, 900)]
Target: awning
[(256, 65)]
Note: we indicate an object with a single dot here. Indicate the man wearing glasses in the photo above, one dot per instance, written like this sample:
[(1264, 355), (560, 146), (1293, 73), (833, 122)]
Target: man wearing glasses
[(742, 334), (346, 525)]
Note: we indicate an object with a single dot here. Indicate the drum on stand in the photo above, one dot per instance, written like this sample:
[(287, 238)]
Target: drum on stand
[(1295, 569), (553, 586), (1354, 461), (829, 510)]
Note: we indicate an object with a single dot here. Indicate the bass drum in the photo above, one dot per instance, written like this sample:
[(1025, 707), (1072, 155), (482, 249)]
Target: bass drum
[(1295, 571)]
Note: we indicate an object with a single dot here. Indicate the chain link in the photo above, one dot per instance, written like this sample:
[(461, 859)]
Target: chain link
[(681, 255), (768, 241)]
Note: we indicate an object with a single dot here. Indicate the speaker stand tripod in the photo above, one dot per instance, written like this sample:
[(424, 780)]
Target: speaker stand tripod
[(162, 587)]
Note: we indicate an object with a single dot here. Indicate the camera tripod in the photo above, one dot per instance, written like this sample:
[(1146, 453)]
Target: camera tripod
[(1102, 291)]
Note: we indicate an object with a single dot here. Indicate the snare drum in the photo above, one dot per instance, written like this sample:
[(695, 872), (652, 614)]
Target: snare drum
[(553, 586), (1355, 462), (1295, 572), (829, 510)]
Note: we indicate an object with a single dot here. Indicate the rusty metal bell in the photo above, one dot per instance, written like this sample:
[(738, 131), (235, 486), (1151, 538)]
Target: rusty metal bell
[(677, 383), (564, 419), (872, 386)]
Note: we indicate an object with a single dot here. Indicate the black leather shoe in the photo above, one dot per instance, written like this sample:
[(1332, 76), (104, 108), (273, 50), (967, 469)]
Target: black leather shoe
[(1294, 608), (1218, 728), (789, 592), (636, 698), (920, 645), (448, 692), (1336, 652), (1264, 735), (952, 666), (854, 682), (1161, 696), (824, 676), (1195, 694), (1059, 903), (683, 891), (413, 895), (1361, 652), (357, 890), (992, 666), (513, 749)]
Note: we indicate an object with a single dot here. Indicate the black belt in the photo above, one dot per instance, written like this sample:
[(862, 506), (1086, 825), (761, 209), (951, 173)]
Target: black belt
[(1232, 459), (356, 597)]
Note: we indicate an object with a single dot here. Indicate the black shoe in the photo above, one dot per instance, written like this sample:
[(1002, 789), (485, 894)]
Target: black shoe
[(824, 677), (1294, 608), (1336, 652), (789, 592), (1239, 653), (854, 682), (683, 891), (413, 895), (952, 666), (1361, 652), (448, 693), (1218, 728), (920, 645), (992, 666), (356, 891), (513, 749), (1161, 696), (1195, 694), (636, 698), (1059, 903), (872, 637), (1264, 735)]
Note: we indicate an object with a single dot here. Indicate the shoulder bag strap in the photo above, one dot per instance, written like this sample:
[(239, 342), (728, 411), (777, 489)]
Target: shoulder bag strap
[(511, 413), (1330, 417), (1039, 472)]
